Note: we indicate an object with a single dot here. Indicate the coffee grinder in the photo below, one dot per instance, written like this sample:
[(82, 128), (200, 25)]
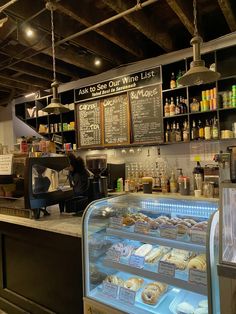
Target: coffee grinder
[(97, 183)]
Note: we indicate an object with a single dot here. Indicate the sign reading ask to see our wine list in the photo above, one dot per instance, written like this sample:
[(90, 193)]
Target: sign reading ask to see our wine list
[(89, 118), (116, 120)]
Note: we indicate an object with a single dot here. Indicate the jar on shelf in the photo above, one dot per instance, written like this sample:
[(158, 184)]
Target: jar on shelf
[(194, 106)]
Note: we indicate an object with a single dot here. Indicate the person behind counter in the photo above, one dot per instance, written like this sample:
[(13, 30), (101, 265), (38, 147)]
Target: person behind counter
[(79, 181)]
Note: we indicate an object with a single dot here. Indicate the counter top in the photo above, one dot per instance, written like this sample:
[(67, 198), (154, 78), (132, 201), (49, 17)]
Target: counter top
[(64, 223)]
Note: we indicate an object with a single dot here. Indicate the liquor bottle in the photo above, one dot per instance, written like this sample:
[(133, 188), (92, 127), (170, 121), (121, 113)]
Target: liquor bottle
[(215, 131), (172, 107), (167, 108), (177, 107), (167, 133), (201, 130), (172, 81), (184, 104), (207, 131), (178, 135), (186, 132), (172, 134), (194, 132), (173, 183)]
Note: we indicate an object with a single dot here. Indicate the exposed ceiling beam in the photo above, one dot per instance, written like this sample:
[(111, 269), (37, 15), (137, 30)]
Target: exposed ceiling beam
[(150, 27), (228, 14), (183, 13), (4, 81), (82, 13)]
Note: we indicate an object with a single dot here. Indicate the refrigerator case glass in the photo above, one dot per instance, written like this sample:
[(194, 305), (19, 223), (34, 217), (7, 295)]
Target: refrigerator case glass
[(144, 254), (228, 227)]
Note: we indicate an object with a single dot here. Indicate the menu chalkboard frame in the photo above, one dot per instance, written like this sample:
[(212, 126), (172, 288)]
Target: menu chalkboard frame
[(128, 142), (135, 142), (77, 105)]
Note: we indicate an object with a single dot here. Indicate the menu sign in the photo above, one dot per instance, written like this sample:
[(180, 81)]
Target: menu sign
[(146, 114), (6, 164), (116, 120), (89, 118)]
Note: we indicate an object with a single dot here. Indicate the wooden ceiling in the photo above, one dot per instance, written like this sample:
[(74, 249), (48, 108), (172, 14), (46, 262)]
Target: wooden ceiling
[(160, 27)]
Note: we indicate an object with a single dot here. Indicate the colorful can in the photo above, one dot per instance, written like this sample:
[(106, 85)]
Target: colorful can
[(203, 95)]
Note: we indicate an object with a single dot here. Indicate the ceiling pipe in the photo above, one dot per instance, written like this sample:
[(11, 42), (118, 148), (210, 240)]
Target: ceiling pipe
[(137, 7), (6, 5)]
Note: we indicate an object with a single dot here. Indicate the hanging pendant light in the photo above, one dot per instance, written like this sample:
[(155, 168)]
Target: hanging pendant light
[(198, 73), (55, 106)]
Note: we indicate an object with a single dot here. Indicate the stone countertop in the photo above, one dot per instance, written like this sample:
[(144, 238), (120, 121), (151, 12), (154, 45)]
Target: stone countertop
[(64, 223)]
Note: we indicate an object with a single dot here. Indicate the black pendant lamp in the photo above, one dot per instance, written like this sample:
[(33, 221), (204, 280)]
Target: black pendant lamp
[(198, 73), (55, 106)]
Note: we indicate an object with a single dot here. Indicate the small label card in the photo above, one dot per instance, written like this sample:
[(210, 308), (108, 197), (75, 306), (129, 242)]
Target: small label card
[(198, 276), (166, 269), (142, 227), (116, 222), (110, 289), (127, 296), (136, 261), (198, 236), (169, 232), (113, 255)]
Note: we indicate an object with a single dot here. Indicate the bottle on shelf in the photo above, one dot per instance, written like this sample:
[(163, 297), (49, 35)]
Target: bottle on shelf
[(201, 130), (172, 133), (194, 106), (207, 131), (172, 107), (194, 132), (173, 183), (186, 132), (183, 102), (167, 133), (172, 81), (167, 108), (177, 107), (215, 130), (178, 133)]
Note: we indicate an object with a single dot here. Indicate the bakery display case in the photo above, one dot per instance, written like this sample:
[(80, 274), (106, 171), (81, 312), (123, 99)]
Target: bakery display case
[(150, 254)]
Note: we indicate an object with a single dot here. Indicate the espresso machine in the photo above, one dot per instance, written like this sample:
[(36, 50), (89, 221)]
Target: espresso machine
[(97, 164)]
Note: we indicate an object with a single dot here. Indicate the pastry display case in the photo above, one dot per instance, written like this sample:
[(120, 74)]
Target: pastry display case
[(150, 254)]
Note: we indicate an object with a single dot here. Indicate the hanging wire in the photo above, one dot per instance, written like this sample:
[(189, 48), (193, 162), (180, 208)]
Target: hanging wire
[(195, 17), (53, 47)]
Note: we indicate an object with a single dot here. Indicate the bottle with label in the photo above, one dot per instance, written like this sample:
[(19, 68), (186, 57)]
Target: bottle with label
[(186, 132), (172, 81), (178, 135), (177, 107), (173, 183), (207, 131), (172, 107), (172, 134), (194, 106), (215, 131), (167, 108), (194, 132), (167, 133), (184, 108), (201, 131)]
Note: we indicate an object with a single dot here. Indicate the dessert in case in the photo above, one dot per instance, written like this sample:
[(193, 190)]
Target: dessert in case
[(152, 292), (133, 283), (185, 308)]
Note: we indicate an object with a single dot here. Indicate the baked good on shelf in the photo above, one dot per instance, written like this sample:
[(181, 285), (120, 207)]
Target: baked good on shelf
[(155, 254), (143, 250), (203, 303), (182, 229), (184, 308), (124, 250), (198, 262), (201, 226), (133, 283), (115, 280), (152, 292), (201, 310), (191, 221), (128, 221), (178, 257), (154, 225)]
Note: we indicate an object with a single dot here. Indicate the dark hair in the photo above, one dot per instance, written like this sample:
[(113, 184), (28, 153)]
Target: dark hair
[(77, 163)]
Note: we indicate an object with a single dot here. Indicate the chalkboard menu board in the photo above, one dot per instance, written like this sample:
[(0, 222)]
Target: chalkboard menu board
[(116, 120), (146, 114), (89, 118)]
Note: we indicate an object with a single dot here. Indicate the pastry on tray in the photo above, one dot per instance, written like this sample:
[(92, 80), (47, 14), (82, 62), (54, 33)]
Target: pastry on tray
[(155, 254), (123, 249), (152, 292), (115, 280), (143, 250), (184, 308), (133, 283), (198, 262), (200, 226), (177, 257)]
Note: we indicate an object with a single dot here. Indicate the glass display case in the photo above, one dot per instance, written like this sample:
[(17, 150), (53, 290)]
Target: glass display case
[(149, 254)]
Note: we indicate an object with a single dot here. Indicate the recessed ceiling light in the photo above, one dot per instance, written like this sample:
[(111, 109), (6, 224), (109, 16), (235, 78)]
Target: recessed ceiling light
[(29, 32), (97, 62)]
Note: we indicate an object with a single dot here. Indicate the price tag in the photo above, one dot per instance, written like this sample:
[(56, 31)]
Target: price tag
[(136, 261), (198, 276), (142, 227), (110, 289), (167, 269), (116, 222), (169, 232), (198, 236), (127, 295), (113, 255)]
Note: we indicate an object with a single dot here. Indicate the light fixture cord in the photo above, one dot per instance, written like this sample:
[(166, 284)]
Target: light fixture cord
[(195, 17), (53, 47)]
